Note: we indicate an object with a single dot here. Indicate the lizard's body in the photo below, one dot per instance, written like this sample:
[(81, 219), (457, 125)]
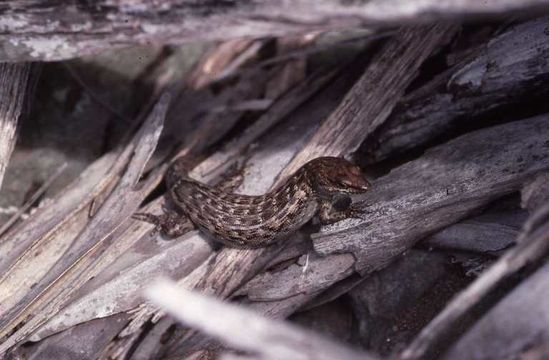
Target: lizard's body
[(257, 221)]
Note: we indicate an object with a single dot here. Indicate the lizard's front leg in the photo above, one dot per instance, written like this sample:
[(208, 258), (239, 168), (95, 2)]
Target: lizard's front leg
[(169, 224)]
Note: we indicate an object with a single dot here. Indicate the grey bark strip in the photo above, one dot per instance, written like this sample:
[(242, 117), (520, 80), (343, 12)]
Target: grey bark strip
[(487, 233), (265, 338), (51, 30), (16, 85)]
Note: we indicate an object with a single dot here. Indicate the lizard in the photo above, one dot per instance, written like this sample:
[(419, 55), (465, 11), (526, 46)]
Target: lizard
[(320, 187)]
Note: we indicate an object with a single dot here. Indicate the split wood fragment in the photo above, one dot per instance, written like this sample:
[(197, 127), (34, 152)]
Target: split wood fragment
[(267, 339), (50, 30), (17, 83)]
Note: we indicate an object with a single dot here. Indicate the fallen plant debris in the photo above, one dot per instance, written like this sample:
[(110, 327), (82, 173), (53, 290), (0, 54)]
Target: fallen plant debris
[(442, 105)]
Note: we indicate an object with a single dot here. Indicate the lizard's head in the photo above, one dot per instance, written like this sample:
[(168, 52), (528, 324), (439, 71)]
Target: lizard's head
[(332, 175)]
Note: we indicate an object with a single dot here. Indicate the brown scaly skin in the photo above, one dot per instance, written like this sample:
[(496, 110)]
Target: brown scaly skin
[(246, 221)]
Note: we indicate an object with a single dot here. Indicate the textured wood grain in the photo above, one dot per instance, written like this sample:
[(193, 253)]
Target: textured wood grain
[(266, 338), (53, 30), (487, 233), (536, 193), (16, 85)]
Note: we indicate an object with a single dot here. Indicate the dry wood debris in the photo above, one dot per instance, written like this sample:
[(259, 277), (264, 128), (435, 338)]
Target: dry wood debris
[(448, 118), (51, 30)]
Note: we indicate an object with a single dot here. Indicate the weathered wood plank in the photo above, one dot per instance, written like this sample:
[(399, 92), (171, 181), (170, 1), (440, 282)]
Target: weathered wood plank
[(53, 30), (16, 87), (265, 338)]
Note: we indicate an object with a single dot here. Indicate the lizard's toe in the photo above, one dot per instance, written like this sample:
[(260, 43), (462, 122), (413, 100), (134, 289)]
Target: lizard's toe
[(150, 218), (356, 212)]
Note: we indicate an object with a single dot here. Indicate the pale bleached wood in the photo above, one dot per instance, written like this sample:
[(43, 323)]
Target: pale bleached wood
[(536, 193), (33, 199), (117, 290), (53, 30), (307, 276), (266, 338), (16, 87)]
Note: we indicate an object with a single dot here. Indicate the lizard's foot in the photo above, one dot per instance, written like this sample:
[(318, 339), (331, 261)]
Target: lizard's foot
[(357, 211), (170, 225), (354, 212)]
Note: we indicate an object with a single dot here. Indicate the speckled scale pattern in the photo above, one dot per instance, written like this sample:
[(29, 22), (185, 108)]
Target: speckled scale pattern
[(257, 221)]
